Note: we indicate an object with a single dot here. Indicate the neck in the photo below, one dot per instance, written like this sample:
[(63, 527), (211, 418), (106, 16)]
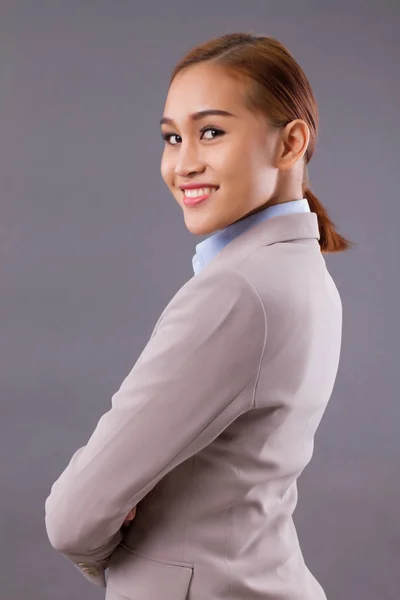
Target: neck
[(270, 202)]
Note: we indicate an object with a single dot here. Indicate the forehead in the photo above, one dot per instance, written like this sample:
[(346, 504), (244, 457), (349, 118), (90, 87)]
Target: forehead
[(201, 87)]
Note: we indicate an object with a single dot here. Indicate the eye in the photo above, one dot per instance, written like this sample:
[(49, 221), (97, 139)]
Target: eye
[(167, 138), (214, 129)]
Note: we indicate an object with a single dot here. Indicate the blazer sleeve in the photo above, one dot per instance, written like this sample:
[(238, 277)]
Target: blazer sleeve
[(182, 392)]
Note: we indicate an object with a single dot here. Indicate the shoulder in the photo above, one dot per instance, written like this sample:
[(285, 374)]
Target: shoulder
[(220, 300), (220, 287)]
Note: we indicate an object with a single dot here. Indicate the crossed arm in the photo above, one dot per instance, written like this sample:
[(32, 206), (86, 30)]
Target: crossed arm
[(184, 389)]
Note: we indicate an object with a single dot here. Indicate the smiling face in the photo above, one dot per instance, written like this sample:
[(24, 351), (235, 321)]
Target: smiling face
[(237, 153)]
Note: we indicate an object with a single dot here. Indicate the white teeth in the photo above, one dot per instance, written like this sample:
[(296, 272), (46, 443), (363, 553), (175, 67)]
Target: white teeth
[(199, 192)]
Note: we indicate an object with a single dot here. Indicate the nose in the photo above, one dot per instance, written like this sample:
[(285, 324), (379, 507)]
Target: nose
[(188, 161)]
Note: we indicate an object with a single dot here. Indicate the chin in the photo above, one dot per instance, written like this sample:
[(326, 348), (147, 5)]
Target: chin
[(198, 226)]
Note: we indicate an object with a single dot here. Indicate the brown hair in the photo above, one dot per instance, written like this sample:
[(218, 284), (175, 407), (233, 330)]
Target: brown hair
[(276, 86)]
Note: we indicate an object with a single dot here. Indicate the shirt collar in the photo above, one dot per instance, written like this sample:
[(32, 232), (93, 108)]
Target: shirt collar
[(208, 248)]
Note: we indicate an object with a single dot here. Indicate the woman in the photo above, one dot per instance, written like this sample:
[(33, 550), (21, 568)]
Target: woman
[(208, 433)]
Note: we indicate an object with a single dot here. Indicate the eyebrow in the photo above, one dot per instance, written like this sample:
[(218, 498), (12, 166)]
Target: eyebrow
[(199, 115)]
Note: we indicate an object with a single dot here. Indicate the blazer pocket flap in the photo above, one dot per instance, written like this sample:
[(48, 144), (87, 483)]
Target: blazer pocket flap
[(136, 577)]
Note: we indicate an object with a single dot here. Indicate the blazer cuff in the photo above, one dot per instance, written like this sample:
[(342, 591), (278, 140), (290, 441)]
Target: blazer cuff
[(94, 572)]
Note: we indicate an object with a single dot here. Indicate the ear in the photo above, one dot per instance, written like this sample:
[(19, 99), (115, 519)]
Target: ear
[(294, 142)]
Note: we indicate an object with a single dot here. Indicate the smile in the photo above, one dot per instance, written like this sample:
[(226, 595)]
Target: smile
[(194, 197)]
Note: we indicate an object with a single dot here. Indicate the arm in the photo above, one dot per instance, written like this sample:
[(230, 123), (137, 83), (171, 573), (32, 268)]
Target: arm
[(182, 392)]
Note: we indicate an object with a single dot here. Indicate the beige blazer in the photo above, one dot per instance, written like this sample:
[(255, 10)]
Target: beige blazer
[(209, 432)]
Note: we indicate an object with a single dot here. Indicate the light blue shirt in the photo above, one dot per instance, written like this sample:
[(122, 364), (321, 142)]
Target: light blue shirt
[(209, 247)]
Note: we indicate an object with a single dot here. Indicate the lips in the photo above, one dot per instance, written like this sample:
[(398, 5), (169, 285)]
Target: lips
[(197, 199), (197, 186)]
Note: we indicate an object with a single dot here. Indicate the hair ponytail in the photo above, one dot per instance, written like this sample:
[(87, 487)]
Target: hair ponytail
[(330, 240)]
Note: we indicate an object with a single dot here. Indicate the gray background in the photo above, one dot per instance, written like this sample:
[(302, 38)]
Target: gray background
[(93, 247)]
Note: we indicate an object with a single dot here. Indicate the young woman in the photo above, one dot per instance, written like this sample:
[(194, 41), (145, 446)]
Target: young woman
[(210, 430)]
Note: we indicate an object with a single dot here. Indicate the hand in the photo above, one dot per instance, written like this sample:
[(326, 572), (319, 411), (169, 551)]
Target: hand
[(130, 516)]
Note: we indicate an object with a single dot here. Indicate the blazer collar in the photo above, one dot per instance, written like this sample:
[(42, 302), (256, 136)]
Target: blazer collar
[(209, 247), (283, 228)]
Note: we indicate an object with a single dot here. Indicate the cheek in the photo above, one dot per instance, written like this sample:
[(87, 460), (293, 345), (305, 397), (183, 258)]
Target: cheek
[(252, 164), (238, 158), (228, 162), (166, 170), (244, 171)]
